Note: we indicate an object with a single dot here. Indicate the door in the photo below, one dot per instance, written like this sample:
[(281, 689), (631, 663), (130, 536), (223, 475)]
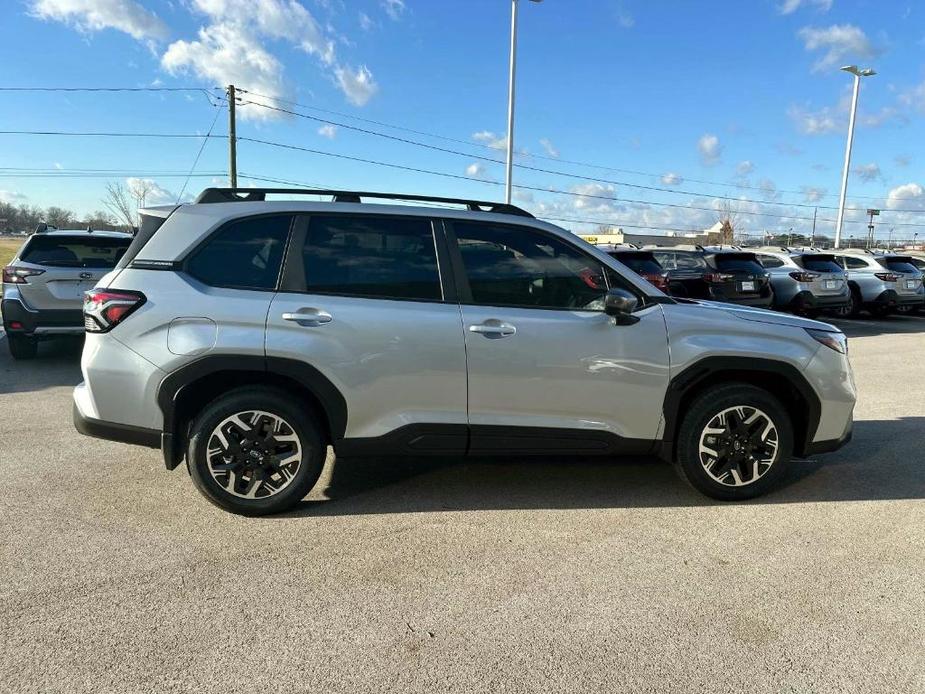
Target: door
[(363, 303), (547, 368)]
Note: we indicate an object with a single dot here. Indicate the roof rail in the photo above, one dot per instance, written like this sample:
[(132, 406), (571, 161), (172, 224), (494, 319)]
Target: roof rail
[(210, 195)]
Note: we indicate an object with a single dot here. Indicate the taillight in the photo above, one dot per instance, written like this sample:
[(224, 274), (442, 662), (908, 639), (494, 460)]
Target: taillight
[(656, 279), (887, 276), (18, 275), (803, 276), (104, 309), (716, 277)]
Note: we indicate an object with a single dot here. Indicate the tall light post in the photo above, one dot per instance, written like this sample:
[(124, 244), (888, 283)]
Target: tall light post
[(510, 103), (858, 74)]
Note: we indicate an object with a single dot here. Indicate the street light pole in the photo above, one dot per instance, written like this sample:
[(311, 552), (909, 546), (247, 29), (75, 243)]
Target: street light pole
[(858, 74), (510, 104)]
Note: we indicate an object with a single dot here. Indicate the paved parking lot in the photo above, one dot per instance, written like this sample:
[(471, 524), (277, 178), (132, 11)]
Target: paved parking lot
[(446, 576)]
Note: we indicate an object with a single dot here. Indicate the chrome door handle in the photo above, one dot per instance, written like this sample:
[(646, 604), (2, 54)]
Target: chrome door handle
[(309, 317), (493, 328)]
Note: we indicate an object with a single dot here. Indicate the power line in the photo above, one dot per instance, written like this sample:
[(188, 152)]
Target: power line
[(445, 174), (107, 89), (601, 167), (205, 139), (72, 133)]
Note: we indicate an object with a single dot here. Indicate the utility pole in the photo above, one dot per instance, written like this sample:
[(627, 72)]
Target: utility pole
[(232, 140), (870, 227)]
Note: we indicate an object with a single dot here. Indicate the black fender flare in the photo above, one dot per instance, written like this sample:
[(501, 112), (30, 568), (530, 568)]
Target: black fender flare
[(177, 383), (697, 373)]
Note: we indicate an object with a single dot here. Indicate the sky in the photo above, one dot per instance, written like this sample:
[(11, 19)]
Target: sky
[(653, 116)]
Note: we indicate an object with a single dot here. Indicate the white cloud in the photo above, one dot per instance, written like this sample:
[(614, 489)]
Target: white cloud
[(9, 196), (228, 54), (525, 196), (908, 195), (366, 24), (486, 137), (821, 122), (328, 130), (791, 6), (358, 85), (710, 149), (867, 172), (813, 194), (671, 179), (478, 171), (902, 160), (839, 43), (625, 19), (744, 168), (96, 15), (394, 8), (150, 190), (768, 190), (549, 148)]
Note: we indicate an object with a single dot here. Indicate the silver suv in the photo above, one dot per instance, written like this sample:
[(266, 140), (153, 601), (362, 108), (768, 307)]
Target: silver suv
[(247, 335), (805, 281), (880, 282), (44, 285)]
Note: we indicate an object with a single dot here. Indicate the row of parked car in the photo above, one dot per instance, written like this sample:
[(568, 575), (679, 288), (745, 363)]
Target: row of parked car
[(806, 281)]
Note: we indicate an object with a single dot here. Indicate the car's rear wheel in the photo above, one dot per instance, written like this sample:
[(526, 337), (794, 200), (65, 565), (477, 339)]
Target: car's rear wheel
[(853, 308), (22, 347), (734, 442), (255, 451)]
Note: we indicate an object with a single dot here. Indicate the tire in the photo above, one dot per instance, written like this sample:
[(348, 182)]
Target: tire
[(252, 464), (879, 311), (728, 480), (853, 309), (22, 347)]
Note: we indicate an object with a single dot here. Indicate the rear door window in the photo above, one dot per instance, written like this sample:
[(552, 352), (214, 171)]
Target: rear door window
[(855, 263), (739, 262), (820, 263), (770, 261), (374, 257), (244, 254), (75, 251)]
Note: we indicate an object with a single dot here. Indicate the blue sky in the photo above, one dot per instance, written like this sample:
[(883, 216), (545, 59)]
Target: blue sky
[(675, 104)]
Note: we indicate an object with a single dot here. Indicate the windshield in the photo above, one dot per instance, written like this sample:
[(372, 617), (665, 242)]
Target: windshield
[(640, 263), (739, 262), (821, 263), (74, 251)]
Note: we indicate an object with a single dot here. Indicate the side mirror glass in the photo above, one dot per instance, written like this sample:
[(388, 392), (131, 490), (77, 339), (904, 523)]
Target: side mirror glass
[(620, 304)]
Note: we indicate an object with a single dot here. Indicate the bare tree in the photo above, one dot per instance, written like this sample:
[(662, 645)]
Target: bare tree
[(59, 217), (117, 201), (101, 220), (139, 189), (729, 220)]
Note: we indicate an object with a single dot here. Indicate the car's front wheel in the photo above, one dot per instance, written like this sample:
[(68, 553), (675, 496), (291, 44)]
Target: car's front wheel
[(22, 347), (255, 451), (734, 442)]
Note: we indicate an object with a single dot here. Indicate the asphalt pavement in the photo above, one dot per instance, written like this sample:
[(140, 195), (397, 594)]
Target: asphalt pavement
[(454, 576)]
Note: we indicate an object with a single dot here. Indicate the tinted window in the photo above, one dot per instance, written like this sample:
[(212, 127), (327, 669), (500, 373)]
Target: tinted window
[(918, 262), (244, 255), (690, 261), (854, 263), (735, 262), (641, 263), (770, 261), (74, 251), (381, 257), (666, 260), (901, 265), (820, 263), (514, 266)]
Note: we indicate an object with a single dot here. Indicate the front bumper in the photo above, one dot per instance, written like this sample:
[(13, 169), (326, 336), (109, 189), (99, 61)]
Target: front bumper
[(18, 319)]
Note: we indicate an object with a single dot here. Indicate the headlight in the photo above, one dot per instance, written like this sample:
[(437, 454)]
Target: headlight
[(836, 341)]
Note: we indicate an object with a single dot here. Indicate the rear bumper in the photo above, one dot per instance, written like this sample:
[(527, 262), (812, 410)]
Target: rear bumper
[(112, 431), (25, 321), (808, 300)]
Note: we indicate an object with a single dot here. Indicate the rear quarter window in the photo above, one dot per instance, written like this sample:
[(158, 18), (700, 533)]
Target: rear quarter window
[(74, 251), (244, 254), (770, 261)]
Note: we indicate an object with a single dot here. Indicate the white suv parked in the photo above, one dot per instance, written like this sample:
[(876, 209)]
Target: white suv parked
[(246, 336)]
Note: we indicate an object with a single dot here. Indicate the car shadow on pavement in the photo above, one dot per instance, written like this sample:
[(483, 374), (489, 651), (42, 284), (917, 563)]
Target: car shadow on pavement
[(883, 462), (867, 326), (57, 364)]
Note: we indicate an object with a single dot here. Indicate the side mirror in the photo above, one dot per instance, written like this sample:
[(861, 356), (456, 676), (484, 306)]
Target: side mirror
[(620, 304)]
